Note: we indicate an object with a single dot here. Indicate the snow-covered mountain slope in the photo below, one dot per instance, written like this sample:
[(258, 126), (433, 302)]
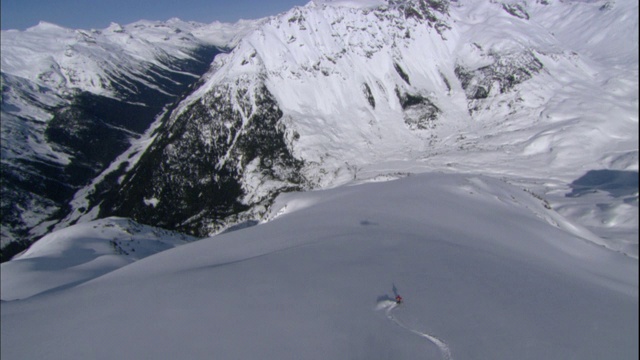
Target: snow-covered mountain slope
[(365, 85), (108, 61), (80, 253), (72, 100), (484, 273), (337, 91)]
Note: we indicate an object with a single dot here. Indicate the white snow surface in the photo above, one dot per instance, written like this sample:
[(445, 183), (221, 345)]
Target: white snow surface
[(80, 253), (483, 272), (63, 59)]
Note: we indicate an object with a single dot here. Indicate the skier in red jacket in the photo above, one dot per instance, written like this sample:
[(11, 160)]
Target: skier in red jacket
[(398, 299)]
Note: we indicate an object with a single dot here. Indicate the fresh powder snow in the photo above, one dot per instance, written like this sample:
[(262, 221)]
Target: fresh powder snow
[(483, 275), (80, 253)]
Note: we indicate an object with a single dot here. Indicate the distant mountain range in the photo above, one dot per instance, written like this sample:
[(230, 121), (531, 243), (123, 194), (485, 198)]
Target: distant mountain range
[(196, 128), (73, 100)]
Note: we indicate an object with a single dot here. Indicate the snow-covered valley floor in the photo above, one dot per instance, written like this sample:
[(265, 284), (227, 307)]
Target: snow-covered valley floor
[(486, 270)]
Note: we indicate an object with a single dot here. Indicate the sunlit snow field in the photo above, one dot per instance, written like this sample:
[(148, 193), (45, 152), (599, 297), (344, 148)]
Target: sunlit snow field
[(479, 263)]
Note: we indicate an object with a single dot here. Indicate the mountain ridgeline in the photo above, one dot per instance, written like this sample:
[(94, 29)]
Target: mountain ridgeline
[(222, 156), (189, 133)]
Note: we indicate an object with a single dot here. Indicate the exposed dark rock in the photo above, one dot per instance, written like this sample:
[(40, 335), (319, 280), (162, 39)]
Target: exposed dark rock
[(607, 6), (516, 10), (419, 112), (401, 72), (192, 177), (367, 93), (424, 10), (505, 72), (446, 82)]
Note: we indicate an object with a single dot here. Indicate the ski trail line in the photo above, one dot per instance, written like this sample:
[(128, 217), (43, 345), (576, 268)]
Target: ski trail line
[(444, 348)]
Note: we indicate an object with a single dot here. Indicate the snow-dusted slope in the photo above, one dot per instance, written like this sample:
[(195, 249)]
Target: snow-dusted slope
[(483, 271), (80, 253)]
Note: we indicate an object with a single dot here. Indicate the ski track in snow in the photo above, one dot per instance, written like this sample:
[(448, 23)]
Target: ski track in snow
[(444, 348)]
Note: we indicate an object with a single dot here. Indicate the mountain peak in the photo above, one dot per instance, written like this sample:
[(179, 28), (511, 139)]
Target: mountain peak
[(352, 3), (44, 26)]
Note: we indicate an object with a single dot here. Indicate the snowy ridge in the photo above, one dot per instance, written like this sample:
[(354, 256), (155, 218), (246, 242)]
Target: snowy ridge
[(82, 252), (480, 271), (352, 3), (45, 65), (91, 60)]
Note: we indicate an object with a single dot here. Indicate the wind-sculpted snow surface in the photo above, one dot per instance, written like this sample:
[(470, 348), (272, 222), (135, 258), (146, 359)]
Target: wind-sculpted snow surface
[(478, 263)]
